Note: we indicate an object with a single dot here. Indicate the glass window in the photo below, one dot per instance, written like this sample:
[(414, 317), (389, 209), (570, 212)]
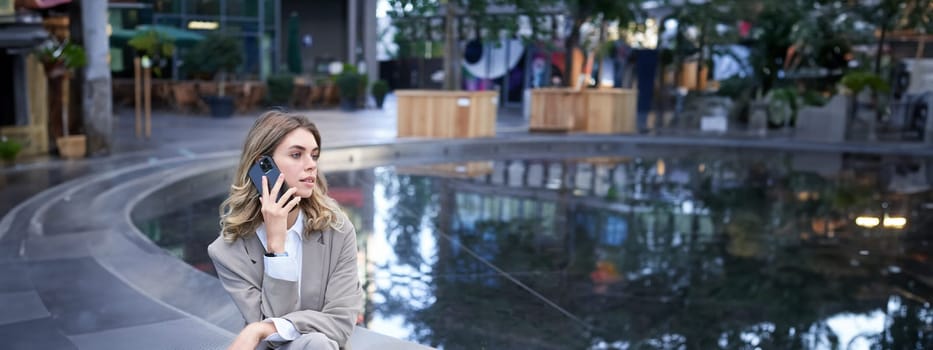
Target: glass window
[(115, 18), (243, 8), (233, 27), (251, 48), (234, 7), (269, 12), (203, 7), (166, 6)]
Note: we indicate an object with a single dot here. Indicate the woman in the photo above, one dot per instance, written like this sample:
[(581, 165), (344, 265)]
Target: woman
[(289, 264)]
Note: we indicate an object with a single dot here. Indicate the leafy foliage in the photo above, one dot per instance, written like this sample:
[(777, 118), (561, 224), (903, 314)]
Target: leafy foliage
[(859, 80), (221, 53), (217, 54), (61, 53), (155, 45), (9, 148), (348, 83), (280, 88), (152, 43), (380, 88)]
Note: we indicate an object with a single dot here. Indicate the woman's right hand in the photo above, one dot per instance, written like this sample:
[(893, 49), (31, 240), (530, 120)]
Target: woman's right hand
[(275, 213)]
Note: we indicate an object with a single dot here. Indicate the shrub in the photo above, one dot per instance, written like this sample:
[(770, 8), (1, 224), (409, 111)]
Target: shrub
[(280, 88), (9, 148), (348, 83), (380, 88)]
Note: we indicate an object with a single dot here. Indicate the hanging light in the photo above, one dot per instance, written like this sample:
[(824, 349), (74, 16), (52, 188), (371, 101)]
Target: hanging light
[(867, 221), (895, 222)]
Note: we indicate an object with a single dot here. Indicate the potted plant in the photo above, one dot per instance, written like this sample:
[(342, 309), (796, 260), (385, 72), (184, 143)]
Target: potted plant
[(9, 149), (59, 58), (379, 90), (856, 82), (221, 54), (281, 87), (348, 85)]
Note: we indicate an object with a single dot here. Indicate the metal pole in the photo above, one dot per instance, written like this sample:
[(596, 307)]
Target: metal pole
[(137, 80), (278, 34), (369, 39), (505, 78), (351, 31), (262, 34), (488, 51), (147, 96)]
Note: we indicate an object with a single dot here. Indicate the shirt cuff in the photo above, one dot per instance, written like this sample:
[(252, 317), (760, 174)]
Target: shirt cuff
[(285, 330), (281, 267)]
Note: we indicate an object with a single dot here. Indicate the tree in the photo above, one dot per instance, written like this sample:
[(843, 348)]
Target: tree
[(712, 23), (154, 44), (598, 11), (456, 20), (891, 15), (918, 16), (223, 54)]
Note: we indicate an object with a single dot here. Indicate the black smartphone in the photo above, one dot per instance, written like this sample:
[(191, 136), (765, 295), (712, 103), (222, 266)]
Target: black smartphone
[(266, 167)]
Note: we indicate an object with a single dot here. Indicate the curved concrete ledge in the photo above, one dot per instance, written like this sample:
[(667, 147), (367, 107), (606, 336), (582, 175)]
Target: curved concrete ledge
[(88, 278)]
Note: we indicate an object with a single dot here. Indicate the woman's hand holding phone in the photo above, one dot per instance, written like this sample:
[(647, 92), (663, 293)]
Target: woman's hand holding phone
[(275, 213)]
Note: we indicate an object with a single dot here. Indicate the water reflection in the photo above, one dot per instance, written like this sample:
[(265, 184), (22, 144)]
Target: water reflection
[(693, 252)]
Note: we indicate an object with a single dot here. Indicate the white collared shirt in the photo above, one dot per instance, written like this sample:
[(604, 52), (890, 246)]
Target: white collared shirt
[(286, 268)]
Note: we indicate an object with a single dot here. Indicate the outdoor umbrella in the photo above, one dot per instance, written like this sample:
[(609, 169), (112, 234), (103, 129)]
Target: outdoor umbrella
[(178, 36), (294, 47)]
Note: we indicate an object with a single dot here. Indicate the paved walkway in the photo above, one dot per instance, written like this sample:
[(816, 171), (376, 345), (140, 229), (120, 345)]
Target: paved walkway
[(52, 232), (57, 225)]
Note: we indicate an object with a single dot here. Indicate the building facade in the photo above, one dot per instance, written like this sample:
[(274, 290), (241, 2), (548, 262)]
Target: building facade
[(328, 30)]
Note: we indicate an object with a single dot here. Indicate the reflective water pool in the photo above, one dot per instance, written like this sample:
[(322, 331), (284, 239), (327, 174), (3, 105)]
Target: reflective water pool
[(683, 252)]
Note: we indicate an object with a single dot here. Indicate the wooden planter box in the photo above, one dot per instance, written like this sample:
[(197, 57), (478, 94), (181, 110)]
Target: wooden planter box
[(609, 111), (72, 147), (555, 109), (600, 111), (446, 114), (689, 79)]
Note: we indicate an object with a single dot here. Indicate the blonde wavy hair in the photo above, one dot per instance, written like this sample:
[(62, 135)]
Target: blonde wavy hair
[(240, 213)]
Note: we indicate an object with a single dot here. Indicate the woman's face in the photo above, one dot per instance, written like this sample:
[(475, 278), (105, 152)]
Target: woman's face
[(296, 156)]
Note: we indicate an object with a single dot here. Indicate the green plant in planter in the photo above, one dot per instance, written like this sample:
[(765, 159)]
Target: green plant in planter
[(379, 90), (216, 56), (782, 106), (858, 81), (348, 85), (9, 148), (786, 102), (222, 54), (60, 56), (280, 88), (192, 65)]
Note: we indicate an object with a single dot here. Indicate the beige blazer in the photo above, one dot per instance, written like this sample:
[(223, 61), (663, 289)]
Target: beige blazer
[(330, 298)]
